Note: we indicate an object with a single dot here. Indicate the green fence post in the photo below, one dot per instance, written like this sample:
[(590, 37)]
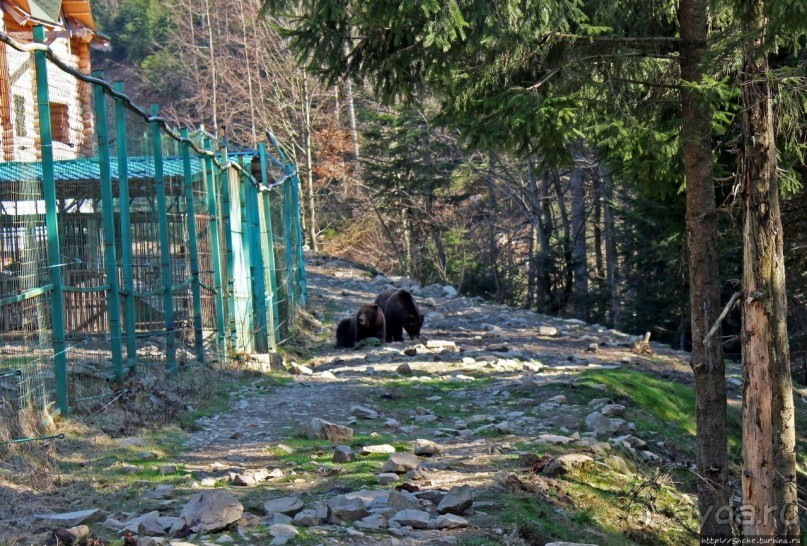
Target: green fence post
[(51, 224), (108, 213), (165, 242), (246, 250), (288, 240), (257, 264), (125, 229), (190, 210), (228, 238), (212, 210), (301, 280), (272, 268)]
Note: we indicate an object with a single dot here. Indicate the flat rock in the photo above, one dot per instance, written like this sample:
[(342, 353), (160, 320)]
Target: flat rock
[(565, 463), (400, 463), (363, 413), (72, 519), (381, 448), (457, 500), (134, 525), (211, 511), (288, 506), (319, 429), (386, 478), (416, 519), (544, 330), (450, 521), (427, 447)]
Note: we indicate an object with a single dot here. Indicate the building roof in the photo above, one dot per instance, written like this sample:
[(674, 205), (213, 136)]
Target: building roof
[(89, 170), (48, 12)]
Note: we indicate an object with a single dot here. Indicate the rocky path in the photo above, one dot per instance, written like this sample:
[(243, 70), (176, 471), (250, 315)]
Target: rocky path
[(416, 442)]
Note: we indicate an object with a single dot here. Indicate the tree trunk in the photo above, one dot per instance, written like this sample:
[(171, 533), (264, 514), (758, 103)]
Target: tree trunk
[(579, 258), (769, 452), (351, 113), (406, 227), (210, 43), (596, 223), (566, 244), (704, 280), (309, 167), (611, 258)]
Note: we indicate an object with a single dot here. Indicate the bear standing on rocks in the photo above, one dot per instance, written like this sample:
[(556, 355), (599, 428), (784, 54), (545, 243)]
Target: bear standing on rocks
[(368, 322), (400, 313)]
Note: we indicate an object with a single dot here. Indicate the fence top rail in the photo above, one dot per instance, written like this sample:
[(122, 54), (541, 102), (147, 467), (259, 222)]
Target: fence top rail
[(172, 133)]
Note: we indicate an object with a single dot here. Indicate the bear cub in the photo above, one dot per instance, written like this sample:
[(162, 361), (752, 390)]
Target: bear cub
[(400, 313), (366, 323)]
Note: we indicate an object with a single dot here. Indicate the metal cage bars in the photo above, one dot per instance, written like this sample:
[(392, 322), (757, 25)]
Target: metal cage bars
[(232, 220)]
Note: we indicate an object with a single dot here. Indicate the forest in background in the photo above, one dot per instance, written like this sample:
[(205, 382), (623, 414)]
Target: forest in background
[(588, 223)]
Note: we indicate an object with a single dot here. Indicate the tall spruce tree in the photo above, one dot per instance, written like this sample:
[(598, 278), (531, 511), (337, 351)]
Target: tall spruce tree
[(519, 74)]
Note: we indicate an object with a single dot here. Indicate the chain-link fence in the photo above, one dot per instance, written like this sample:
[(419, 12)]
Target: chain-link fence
[(126, 244)]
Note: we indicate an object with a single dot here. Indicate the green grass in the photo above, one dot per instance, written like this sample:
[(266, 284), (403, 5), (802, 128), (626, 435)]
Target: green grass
[(662, 400)]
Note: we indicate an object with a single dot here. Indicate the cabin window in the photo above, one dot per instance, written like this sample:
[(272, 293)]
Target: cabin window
[(59, 122), (19, 116)]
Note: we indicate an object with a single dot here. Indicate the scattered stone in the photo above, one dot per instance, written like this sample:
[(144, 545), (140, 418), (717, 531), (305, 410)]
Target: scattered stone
[(282, 533), (416, 519), (593, 348), (211, 511), (319, 429), (553, 439), (404, 369), (343, 454), (504, 427), (343, 508), (401, 500), (167, 469), (565, 463), (441, 344), (363, 413), (288, 506), (150, 541), (372, 522), (457, 500), (251, 477), (410, 351), (618, 464), (79, 531), (72, 519), (382, 448), (427, 447), (309, 518), (449, 291), (450, 521), (547, 331), (613, 410), (598, 423), (400, 463), (559, 399)]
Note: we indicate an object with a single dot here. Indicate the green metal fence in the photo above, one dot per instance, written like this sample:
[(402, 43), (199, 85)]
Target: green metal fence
[(126, 244)]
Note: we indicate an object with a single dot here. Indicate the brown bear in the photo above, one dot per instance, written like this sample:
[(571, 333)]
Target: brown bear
[(400, 313), (368, 322)]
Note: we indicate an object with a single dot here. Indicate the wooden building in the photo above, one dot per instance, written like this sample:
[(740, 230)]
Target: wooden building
[(70, 32)]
